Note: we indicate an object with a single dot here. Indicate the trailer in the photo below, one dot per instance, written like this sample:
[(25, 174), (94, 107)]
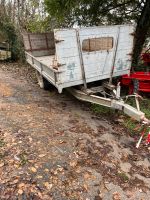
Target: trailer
[(85, 61), (4, 51)]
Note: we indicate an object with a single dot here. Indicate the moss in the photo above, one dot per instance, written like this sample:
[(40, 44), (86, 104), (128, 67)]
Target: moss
[(123, 176), (23, 158), (2, 143)]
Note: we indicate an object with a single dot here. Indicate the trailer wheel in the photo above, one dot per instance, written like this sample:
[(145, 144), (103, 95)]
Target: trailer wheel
[(42, 82)]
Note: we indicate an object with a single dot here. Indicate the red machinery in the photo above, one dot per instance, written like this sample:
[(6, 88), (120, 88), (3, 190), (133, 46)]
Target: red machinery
[(139, 81), (146, 58)]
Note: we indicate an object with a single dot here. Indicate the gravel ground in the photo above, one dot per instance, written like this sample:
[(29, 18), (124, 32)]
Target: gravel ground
[(54, 147)]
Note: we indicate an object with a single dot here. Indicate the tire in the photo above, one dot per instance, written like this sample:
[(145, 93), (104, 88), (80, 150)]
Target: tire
[(42, 82)]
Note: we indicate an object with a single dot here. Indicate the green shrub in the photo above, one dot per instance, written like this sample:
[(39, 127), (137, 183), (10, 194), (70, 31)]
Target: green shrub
[(14, 39)]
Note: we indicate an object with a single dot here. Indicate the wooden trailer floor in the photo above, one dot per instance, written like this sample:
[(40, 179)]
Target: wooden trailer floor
[(46, 60)]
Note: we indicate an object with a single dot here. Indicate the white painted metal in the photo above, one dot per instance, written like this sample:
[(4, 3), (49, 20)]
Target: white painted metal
[(97, 64), (64, 69), (67, 54), (112, 103)]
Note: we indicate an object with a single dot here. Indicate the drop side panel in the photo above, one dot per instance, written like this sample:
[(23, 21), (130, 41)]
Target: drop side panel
[(98, 63), (67, 56)]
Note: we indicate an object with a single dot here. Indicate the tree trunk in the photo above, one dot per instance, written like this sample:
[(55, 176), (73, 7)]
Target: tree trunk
[(142, 29)]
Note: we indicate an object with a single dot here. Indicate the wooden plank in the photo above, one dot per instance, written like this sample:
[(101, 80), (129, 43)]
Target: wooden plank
[(39, 42), (97, 44)]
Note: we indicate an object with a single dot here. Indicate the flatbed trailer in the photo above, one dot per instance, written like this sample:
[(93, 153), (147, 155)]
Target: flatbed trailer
[(72, 59), (4, 51)]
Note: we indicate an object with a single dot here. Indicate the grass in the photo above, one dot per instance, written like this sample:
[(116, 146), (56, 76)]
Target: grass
[(1, 156), (2, 143), (131, 124), (123, 176), (128, 123), (23, 159), (144, 105), (98, 109)]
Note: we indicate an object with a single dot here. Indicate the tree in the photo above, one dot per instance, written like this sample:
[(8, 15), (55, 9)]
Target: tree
[(98, 12), (142, 31), (93, 12), (20, 15)]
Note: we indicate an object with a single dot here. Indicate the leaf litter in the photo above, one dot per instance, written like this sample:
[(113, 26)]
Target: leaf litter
[(56, 154)]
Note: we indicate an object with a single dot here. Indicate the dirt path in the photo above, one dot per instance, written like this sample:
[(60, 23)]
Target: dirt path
[(53, 147)]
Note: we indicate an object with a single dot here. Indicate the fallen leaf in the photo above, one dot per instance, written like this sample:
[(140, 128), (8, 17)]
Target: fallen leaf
[(61, 141), (33, 169), (42, 155), (116, 196), (85, 187), (17, 158), (2, 164), (11, 161), (20, 191), (30, 139), (40, 195), (87, 176), (39, 177), (15, 181), (32, 190), (31, 161), (60, 169), (140, 190), (48, 185), (78, 171), (55, 172), (21, 185), (73, 163), (17, 166)]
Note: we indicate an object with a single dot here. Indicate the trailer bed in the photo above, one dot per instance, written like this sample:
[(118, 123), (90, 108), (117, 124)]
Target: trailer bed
[(46, 60), (71, 57)]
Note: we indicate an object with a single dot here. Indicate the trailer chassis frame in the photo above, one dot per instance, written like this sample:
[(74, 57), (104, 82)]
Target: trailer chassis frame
[(117, 104)]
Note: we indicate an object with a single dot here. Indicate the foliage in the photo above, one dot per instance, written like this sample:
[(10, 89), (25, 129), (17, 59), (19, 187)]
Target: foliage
[(19, 16), (11, 32), (95, 12), (128, 123), (98, 109), (38, 25), (131, 124), (69, 13), (144, 105), (42, 16), (123, 176)]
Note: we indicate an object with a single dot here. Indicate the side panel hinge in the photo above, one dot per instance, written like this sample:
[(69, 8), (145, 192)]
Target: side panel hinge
[(58, 40)]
